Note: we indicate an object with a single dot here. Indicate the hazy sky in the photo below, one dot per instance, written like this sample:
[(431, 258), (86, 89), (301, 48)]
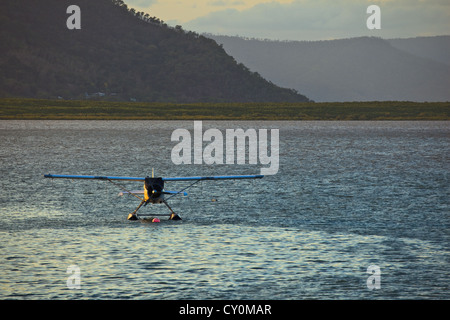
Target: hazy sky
[(302, 19)]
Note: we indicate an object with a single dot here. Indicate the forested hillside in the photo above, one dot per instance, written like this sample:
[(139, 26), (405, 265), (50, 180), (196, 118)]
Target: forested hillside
[(118, 54)]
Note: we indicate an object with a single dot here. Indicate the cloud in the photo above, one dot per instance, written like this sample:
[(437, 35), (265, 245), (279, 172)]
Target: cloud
[(325, 19), (223, 3), (140, 3)]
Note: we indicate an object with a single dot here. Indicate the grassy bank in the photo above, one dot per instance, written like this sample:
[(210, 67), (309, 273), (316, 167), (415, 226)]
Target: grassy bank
[(17, 108)]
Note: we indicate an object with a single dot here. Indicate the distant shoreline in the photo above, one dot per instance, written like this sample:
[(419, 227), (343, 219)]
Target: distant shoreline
[(41, 109)]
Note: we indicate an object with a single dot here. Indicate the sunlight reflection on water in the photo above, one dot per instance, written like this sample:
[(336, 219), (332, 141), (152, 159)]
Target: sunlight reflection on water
[(348, 195)]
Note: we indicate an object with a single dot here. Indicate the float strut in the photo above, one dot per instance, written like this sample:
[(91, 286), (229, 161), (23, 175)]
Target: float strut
[(132, 216), (173, 215)]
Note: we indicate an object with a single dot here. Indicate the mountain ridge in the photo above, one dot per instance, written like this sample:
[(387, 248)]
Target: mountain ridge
[(354, 69)]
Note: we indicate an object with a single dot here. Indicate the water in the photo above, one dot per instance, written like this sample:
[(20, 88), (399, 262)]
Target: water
[(348, 195)]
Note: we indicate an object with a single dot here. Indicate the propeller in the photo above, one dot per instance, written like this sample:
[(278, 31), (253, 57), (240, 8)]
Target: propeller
[(154, 187)]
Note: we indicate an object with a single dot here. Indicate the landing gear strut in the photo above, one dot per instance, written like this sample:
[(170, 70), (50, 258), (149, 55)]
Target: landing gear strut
[(173, 215), (133, 216)]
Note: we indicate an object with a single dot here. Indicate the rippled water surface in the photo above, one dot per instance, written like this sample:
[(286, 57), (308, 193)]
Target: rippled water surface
[(348, 195)]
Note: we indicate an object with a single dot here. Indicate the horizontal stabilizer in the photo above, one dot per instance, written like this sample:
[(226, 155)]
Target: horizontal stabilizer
[(142, 192), (175, 192), (131, 192)]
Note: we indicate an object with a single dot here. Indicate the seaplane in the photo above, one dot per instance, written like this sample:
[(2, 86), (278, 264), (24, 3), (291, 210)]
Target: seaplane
[(153, 191)]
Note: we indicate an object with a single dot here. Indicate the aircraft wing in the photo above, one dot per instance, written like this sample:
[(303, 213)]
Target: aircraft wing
[(60, 176), (213, 178)]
